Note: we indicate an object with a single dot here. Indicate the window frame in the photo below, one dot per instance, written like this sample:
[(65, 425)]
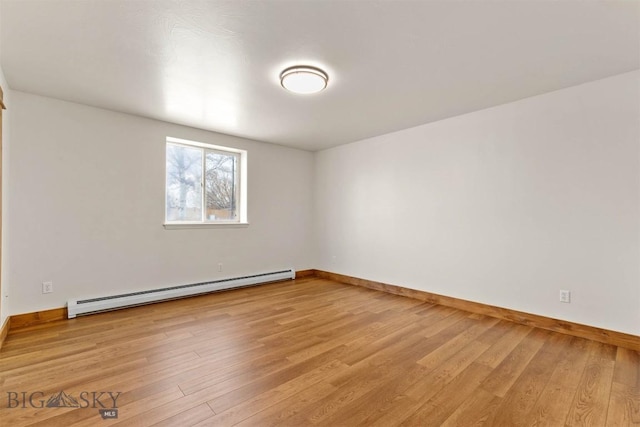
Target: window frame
[(240, 186)]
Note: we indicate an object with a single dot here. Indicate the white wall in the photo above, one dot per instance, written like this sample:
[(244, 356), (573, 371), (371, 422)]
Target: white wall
[(504, 206), (86, 207)]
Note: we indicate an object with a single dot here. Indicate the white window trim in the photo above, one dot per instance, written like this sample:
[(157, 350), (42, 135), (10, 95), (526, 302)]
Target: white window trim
[(242, 212), (191, 225)]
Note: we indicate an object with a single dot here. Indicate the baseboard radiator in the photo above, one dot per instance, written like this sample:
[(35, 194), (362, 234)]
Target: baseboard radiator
[(114, 302)]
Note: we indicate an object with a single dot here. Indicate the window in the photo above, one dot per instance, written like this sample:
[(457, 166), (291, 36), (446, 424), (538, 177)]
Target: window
[(205, 184)]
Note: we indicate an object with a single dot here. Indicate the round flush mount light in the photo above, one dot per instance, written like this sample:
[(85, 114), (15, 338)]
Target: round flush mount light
[(304, 79)]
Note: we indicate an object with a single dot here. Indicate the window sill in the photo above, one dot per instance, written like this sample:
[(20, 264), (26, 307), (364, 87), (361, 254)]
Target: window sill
[(189, 225)]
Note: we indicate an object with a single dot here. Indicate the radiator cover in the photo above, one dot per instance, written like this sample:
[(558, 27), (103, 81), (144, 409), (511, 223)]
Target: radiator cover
[(114, 302)]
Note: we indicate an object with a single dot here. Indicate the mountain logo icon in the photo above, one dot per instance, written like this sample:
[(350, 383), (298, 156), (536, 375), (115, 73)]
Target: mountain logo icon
[(62, 400)]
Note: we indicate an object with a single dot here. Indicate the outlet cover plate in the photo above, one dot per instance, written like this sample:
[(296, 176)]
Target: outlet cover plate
[(47, 287)]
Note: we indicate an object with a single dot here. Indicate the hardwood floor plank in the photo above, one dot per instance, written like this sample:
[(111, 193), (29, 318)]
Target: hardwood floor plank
[(508, 371), (479, 409), (624, 402), (442, 405), (259, 384), (524, 393), (553, 405), (624, 406), (189, 417), (591, 402), (285, 413), (437, 379), (358, 384), (627, 369), (272, 396), (503, 338), (452, 346)]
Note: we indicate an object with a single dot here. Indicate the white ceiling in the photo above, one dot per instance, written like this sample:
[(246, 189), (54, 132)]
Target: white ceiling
[(392, 64)]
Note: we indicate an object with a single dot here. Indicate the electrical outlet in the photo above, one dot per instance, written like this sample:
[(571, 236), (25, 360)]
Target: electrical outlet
[(565, 296), (47, 287), (219, 266)]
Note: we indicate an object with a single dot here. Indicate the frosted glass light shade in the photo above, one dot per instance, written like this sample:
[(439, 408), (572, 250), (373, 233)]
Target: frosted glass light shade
[(304, 79)]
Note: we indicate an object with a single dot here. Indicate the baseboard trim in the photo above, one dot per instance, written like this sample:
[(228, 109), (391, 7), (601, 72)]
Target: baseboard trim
[(38, 317), (575, 329), (4, 330), (303, 274)]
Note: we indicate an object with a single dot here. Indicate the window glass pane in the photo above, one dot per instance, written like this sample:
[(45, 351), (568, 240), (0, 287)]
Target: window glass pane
[(220, 186), (184, 183)]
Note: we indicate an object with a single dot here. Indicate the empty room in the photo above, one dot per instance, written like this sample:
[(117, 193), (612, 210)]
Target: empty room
[(319, 213)]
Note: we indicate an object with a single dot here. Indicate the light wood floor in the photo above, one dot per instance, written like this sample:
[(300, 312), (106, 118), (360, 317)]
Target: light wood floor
[(314, 352)]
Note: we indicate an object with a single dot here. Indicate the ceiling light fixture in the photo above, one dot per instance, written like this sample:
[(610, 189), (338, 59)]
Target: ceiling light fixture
[(303, 79)]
